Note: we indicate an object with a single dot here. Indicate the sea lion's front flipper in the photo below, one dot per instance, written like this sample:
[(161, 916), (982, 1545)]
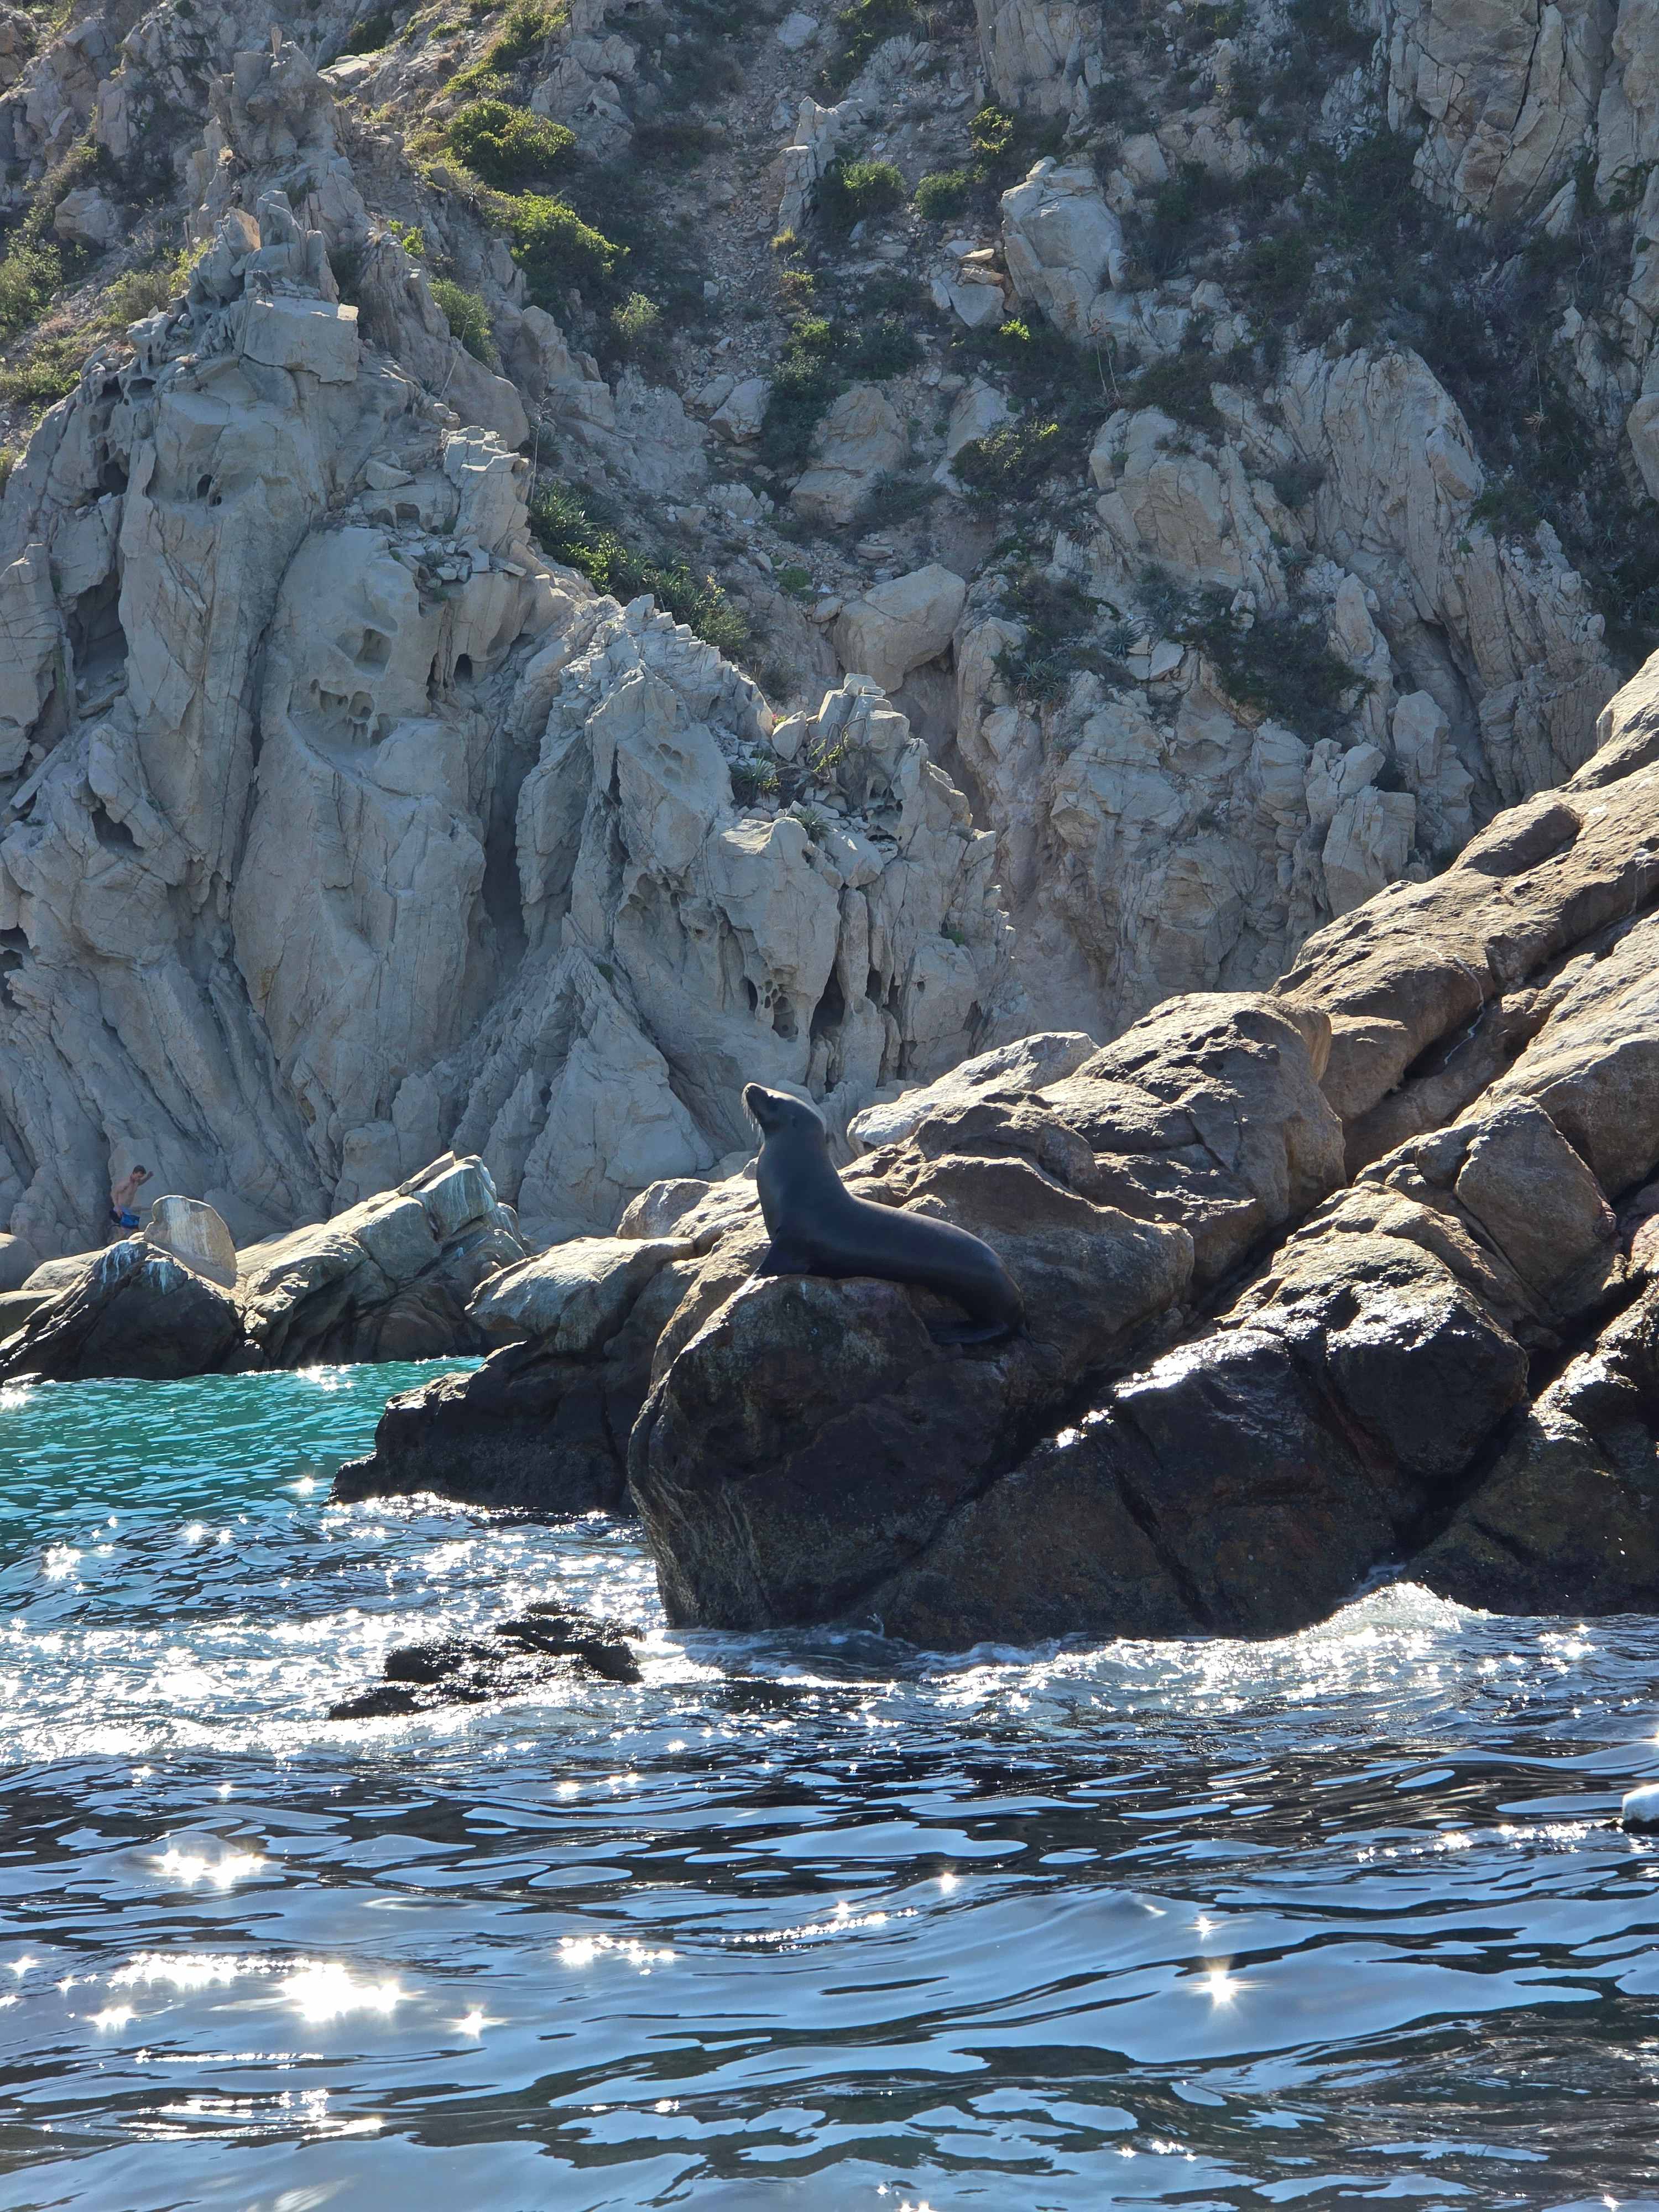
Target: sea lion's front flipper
[(782, 1258)]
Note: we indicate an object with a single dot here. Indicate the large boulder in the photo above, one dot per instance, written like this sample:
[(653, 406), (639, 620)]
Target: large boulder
[(1063, 244), (860, 440), (194, 1233), (897, 625), (390, 1279), (812, 1436), (1568, 1519), (134, 1311), (1010, 1070), (18, 1261), (544, 1423)]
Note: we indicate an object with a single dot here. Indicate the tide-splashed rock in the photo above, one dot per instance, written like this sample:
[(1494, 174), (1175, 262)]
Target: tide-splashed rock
[(134, 1311), (548, 1644)]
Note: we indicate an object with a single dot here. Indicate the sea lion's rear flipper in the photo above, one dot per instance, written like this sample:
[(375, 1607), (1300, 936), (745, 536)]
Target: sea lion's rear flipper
[(984, 1332)]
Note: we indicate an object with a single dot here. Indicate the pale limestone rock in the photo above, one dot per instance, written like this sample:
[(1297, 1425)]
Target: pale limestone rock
[(30, 647), (974, 413), (273, 839), (1507, 92), (17, 42), (388, 1279), (87, 216), (1506, 633), (860, 439), (1061, 242), (573, 1298), (818, 134), (18, 1261), (1011, 1071), (1421, 736), (897, 625), (738, 417), (1628, 115), (1367, 845), (578, 395), (796, 30), (1034, 51), (1189, 510), (194, 1233), (303, 334), (976, 298)]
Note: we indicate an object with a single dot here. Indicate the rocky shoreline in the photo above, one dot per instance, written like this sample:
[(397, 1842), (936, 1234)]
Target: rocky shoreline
[(1345, 1275), (1350, 1274)]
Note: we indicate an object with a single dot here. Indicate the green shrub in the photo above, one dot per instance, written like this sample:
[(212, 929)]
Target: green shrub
[(1062, 637), (141, 292), (569, 526), (29, 276), (804, 383), (942, 193), (636, 326), (991, 133), (850, 191), (468, 318), (795, 580), (1282, 665), (1296, 482), (45, 373), (895, 498), (1170, 229), (882, 350), (889, 291), (682, 144), (1330, 23), (528, 25), (555, 248), (1008, 463), (1507, 507), (1277, 272), (754, 777), (368, 36), (507, 146)]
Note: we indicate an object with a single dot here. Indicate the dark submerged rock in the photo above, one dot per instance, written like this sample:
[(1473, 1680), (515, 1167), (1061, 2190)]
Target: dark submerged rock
[(547, 1643)]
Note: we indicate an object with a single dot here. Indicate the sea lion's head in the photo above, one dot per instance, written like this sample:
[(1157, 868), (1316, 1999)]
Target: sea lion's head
[(774, 1112)]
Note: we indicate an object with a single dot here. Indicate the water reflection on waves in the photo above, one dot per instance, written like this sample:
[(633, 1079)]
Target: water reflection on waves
[(1337, 1920)]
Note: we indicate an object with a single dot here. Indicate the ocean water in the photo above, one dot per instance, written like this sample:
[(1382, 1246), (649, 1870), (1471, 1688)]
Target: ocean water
[(807, 1921)]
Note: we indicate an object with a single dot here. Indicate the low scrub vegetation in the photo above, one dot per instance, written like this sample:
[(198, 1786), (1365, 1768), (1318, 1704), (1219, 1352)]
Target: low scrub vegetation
[(507, 146), (468, 318), (570, 525), (849, 193), (555, 248)]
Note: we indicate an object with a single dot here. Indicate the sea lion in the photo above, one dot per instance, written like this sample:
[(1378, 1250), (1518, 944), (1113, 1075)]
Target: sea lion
[(818, 1228)]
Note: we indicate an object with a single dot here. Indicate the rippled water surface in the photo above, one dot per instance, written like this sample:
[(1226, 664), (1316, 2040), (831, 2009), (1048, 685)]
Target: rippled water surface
[(806, 1921)]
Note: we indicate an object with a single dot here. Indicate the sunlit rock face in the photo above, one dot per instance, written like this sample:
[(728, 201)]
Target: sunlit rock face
[(340, 830), (1351, 1273)]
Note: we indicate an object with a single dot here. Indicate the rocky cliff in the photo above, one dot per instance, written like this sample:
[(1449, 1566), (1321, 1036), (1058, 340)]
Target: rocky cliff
[(1164, 475)]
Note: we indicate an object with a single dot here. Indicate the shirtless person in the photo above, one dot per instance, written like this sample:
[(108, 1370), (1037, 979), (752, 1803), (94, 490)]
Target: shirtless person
[(122, 1219)]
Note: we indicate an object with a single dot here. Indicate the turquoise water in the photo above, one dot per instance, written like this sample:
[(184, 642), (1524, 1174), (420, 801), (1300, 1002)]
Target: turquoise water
[(804, 1921)]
